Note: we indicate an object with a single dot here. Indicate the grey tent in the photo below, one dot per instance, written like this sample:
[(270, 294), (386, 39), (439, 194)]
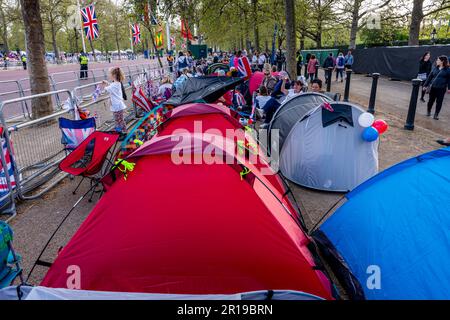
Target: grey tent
[(202, 89), (325, 150), (290, 112)]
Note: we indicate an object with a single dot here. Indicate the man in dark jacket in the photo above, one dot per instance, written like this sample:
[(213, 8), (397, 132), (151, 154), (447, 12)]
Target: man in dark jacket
[(329, 62)]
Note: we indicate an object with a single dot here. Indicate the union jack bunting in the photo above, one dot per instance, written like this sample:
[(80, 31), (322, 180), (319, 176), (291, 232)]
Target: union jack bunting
[(4, 189), (136, 32), (327, 106), (90, 25)]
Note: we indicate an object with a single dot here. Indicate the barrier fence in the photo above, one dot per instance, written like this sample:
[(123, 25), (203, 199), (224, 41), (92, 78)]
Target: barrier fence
[(34, 145)]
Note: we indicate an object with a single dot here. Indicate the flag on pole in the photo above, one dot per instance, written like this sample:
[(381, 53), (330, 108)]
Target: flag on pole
[(90, 24), (185, 32), (136, 33), (159, 40)]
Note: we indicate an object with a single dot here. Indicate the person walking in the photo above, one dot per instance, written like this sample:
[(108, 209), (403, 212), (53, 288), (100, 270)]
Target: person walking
[(181, 63), (349, 61), (299, 63), (170, 60), (328, 63), (340, 66), (83, 59), (425, 66), (24, 62), (437, 84), (312, 67)]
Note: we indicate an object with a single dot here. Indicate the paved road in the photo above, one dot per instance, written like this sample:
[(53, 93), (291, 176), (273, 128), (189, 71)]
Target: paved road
[(64, 76), (393, 97)]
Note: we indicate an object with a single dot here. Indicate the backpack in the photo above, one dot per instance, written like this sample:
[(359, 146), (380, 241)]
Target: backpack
[(182, 63), (341, 61)]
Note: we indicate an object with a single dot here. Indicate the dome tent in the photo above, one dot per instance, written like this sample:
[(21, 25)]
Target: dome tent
[(181, 234), (324, 150), (397, 221), (291, 111)]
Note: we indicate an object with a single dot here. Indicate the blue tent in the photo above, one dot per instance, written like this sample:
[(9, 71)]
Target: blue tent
[(391, 239)]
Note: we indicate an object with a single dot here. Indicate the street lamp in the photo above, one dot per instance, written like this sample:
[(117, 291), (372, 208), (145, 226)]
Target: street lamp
[(433, 36)]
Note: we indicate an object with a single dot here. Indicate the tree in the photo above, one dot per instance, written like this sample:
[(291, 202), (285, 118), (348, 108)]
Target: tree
[(291, 38), (3, 26), (53, 13), (419, 13), (37, 68)]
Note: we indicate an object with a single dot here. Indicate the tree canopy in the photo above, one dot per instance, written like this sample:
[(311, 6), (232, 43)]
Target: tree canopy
[(231, 24)]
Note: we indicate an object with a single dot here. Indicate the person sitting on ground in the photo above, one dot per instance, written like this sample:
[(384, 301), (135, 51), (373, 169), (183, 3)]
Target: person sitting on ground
[(282, 83), (165, 89), (261, 100), (316, 86), (199, 72), (444, 142), (295, 91), (269, 81), (328, 63)]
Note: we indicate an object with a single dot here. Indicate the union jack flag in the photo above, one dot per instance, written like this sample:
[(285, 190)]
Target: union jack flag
[(136, 32), (90, 25), (141, 100)]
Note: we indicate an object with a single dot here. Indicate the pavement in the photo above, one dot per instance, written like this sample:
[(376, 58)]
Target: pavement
[(38, 219)]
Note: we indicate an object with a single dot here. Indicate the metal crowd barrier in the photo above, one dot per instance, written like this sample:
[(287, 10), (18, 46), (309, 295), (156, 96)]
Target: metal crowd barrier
[(37, 147), (36, 143), (17, 92)]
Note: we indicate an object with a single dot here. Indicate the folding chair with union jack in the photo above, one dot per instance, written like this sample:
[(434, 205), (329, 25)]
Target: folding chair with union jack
[(88, 158)]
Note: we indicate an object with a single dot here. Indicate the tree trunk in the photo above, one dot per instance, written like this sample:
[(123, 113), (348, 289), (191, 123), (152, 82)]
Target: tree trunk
[(55, 46), (37, 69), (291, 63), (4, 28), (76, 39), (302, 41), (116, 33), (255, 23), (355, 20), (416, 20)]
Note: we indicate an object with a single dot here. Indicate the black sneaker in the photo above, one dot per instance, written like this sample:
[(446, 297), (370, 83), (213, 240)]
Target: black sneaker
[(122, 136), (428, 114), (442, 142), (423, 100), (436, 117)]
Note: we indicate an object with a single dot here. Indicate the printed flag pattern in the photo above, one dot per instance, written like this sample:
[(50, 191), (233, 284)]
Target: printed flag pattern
[(159, 40), (141, 100), (90, 24), (3, 184), (185, 32), (136, 32), (73, 137), (244, 68)]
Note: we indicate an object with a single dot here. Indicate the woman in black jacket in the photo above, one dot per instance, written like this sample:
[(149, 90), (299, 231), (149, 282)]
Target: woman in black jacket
[(437, 83), (424, 71)]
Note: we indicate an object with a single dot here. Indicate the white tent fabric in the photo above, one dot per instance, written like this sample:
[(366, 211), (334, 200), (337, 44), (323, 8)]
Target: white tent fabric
[(44, 293), (331, 158)]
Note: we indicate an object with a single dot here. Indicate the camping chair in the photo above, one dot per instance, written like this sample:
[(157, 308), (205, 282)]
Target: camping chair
[(88, 158), (9, 261), (75, 131)]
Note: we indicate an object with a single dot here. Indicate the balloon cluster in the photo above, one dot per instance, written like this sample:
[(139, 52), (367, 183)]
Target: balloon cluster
[(373, 128)]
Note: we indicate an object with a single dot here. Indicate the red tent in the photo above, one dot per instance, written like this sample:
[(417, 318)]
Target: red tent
[(193, 228)]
